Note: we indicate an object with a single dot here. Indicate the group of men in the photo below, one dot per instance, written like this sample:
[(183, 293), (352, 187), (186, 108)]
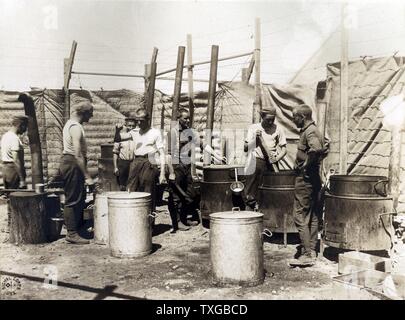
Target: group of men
[(140, 164)]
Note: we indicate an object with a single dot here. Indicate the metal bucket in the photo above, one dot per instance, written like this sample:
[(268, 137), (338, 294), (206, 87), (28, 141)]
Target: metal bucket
[(100, 216), (55, 217), (129, 224), (236, 247), (216, 193), (276, 201), (358, 223)]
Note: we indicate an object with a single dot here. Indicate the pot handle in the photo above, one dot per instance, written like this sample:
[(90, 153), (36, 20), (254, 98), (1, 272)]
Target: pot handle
[(383, 192), (153, 215), (235, 209), (267, 233)]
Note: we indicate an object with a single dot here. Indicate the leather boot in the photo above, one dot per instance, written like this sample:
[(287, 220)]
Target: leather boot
[(74, 238)]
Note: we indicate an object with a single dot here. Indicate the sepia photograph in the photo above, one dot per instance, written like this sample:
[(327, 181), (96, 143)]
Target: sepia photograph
[(202, 155)]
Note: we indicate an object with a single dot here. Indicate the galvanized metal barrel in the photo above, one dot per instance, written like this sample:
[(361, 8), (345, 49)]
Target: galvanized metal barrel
[(276, 201), (360, 221), (236, 247), (216, 195), (129, 224), (100, 216)]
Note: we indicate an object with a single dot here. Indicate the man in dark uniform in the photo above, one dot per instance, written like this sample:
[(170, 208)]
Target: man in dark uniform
[(182, 195), (312, 148)]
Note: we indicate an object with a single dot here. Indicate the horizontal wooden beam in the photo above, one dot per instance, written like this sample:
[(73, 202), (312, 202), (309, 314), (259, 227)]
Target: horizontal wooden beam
[(109, 74), (206, 62)]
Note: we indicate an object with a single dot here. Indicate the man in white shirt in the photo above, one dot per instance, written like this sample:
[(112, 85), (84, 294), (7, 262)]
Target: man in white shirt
[(143, 173), (123, 155), (266, 143), (12, 154)]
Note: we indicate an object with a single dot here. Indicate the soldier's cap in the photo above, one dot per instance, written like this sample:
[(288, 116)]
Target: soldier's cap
[(82, 107), (16, 120), (141, 114), (269, 110)]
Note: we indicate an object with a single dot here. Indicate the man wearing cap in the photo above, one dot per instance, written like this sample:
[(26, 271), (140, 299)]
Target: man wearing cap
[(266, 144), (12, 157), (12, 154), (123, 154), (312, 148), (143, 171), (74, 172)]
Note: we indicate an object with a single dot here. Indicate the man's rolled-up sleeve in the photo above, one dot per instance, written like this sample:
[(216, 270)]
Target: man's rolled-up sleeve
[(314, 143)]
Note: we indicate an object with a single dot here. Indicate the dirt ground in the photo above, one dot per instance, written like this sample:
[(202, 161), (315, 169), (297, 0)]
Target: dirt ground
[(178, 268)]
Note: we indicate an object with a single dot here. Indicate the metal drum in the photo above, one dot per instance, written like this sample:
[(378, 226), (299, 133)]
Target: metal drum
[(276, 201), (216, 195), (100, 215), (358, 222), (236, 247), (106, 150), (358, 186), (129, 224)]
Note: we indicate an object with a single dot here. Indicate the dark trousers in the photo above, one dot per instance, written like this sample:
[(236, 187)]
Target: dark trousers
[(306, 209), (253, 182), (11, 180), (75, 193), (123, 168), (183, 198), (143, 177)]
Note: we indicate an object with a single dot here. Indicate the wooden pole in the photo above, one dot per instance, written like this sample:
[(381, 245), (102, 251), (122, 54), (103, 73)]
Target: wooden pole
[(67, 74), (177, 92), (190, 78), (211, 100), (344, 97), (206, 62), (151, 90), (35, 142), (394, 168), (258, 101), (249, 70)]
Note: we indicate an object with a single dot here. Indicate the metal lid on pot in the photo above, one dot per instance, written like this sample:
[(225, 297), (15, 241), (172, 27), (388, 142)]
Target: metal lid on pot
[(236, 215), (128, 195)]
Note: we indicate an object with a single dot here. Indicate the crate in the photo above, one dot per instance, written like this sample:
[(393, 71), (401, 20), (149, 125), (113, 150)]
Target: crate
[(357, 261), (385, 285)]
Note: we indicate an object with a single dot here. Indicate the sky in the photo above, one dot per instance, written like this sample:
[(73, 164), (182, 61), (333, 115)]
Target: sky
[(119, 36)]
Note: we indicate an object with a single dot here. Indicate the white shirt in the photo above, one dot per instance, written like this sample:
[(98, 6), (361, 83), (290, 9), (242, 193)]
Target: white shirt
[(68, 141), (272, 140), (10, 142), (147, 143)]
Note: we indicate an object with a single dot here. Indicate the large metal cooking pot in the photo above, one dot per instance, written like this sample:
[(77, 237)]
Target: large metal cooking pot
[(358, 186), (285, 178)]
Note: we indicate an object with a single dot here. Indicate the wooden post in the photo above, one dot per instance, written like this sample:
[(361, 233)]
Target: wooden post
[(249, 70), (35, 142), (211, 100), (344, 97), (67, 74), (394, 168), (151, 90), (190, 79), (147, 75), (177, 93), (257, 106)]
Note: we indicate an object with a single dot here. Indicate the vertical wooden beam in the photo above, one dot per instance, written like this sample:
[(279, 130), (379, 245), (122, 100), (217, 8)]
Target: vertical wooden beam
[(344, 96), (250, 69), (176, 96), (190, 78), (151, 90), (211, 100), (258, 101), (394, 168), (67, 74)]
